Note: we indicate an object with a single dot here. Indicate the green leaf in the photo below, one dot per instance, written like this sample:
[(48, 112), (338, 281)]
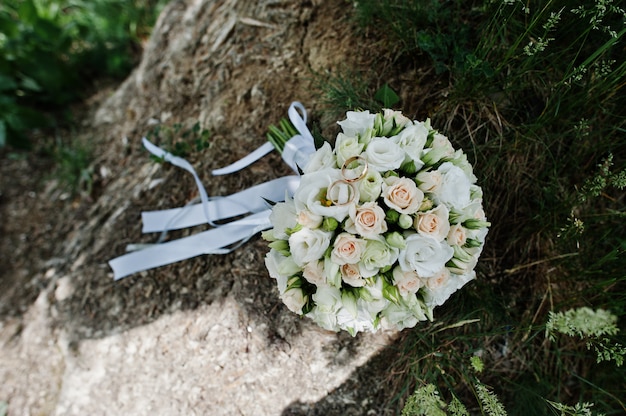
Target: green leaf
[(30, 84), (387, 96), (28, 12)]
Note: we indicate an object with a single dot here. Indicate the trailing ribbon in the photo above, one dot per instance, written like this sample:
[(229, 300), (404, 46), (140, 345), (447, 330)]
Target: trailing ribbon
[(223, 238)]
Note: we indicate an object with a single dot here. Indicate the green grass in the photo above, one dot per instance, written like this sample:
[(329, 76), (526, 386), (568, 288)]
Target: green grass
[(534, 93)]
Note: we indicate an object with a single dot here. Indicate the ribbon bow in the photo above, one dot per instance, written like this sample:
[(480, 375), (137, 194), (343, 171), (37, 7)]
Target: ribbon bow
[(223, 238)]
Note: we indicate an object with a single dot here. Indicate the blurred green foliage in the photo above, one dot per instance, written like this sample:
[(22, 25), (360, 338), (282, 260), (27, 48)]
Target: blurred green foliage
[(51, 51)]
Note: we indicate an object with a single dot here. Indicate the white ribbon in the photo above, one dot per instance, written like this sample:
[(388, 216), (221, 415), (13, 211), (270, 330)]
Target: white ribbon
[(251, 200), (212, 241), (224, 238)]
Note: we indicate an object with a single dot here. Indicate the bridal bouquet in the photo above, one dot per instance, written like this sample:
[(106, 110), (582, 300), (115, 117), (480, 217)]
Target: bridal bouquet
[(382, 228)]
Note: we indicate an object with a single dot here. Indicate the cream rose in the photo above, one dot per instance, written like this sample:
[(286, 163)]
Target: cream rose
[(457, 236), (309, 220), (294, 299), (429, 181), (351, 275), (394, 118), (367, 220), (439, 288), (347, 249), (402, 194), (434, 223), (308, 245), (406, 282), (438, 280), (314, 272)]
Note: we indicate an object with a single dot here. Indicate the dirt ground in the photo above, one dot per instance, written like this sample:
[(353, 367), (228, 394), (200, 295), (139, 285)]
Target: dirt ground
[(209, 335)]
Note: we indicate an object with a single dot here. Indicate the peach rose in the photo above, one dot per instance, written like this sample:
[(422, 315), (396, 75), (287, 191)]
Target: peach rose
[(314, 272), (309, 220), (347, 249), (406, 282), (457, 235), (351, 275), (434, 223), (367, 220), (402, 194), (439, 280)]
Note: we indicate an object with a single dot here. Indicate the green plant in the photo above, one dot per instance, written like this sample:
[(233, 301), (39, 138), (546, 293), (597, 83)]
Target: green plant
[(438, 29), (52, 50), (73, 166), (180, 141), (534, 94)]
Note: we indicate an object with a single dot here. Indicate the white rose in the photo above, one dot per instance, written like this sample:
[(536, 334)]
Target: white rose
[(341, 193), (312, 194), (429, 181), (283, 217), (314, 272), (441, 142), (370, 186), (347, 249), (358, 124), (457, 236), (463, 262), (309, 220), (294, 299), (327, 302), (472, 211), (406, 282), (377, 254), (383, 154), (273, 259), (412, 140), (441, 292), (287, 267), (372, 298), (402, 195), (460, 159), (394, 118), (347, 147), (351, 275), (307, 245), (479, 235), (355, 319), (367, 220), (434, 223), (424, 255), (405, 315), (323, 158), (455, 186), (476, 193)]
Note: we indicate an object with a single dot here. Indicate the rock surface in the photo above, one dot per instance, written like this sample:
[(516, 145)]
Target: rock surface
[(206, 336)]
